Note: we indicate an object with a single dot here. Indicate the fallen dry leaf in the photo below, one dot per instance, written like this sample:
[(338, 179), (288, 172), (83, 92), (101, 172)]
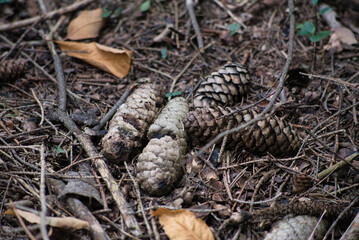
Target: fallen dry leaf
[(109, 59), (60, 222), (182, 225), (339, 35), (87, 25), (345, 35)]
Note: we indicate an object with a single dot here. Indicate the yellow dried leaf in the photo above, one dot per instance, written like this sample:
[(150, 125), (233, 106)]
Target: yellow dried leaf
[(87, 25), (182, 225), (109, 59), (60, 222)]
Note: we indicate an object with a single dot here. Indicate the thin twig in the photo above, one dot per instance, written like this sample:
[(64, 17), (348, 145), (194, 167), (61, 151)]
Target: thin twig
[(340, 217), (43, 195), (40, 105), (230, 13), (189, 5), (138, 193), (23, 225), (187, 66), (335, 80), (263, 179), (60, 11), (278, 90), (13, 47), (258, 202), (113, 110)]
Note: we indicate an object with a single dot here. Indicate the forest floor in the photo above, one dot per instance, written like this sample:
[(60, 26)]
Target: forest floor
[(319, 100)]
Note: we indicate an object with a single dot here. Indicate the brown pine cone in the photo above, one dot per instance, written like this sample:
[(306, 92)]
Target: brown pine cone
[(270, 135), (301, 183), (130, 122), (12, 69), (159, 166), (226, 87)]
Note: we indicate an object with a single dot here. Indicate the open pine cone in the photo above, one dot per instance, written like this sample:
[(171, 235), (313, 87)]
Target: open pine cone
[(228, 86), (129, 124), (270, 135)]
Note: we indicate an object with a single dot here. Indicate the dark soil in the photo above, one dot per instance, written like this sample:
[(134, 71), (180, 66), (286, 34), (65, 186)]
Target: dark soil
[(209, 184)]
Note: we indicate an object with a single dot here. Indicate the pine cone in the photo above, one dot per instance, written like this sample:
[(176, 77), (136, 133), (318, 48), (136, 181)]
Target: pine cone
[(130, 122), (301, 183), (269, 135), (12, 69), (299, 227), (159, 166), (226, 87)]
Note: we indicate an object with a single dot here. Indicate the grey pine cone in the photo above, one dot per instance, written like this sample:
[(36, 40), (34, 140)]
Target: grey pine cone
[(129, 124), (228, 86), (159, 165), (270, 135)]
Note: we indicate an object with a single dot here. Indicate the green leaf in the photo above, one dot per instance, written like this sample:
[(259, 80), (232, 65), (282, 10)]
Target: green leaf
[(233, 27), (315, 2), (117, 12), (105, 13), (307, 29), (145, 5), (319, 36), (59, 149), (163, 53), (299, 26), (323, 10), (173, 94)]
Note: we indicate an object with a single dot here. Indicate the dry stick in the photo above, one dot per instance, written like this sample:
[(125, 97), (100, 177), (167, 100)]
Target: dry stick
[(49, 15), (40, 105), (259, 202), (263, 179), (43, 195), (154, 226), (279, 88), (189, 5), (340, 217), (85, 141), (113, 110), (352, 231), (335, 80), (27, 231), (82, 211), (225, 162), (176, 23), (337, 166), (138, 193), (229, 12)]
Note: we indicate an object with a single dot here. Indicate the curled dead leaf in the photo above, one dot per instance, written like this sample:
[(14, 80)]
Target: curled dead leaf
[(87, 25), (339, 34), (112, 60), (60, 222), (182, 225)]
